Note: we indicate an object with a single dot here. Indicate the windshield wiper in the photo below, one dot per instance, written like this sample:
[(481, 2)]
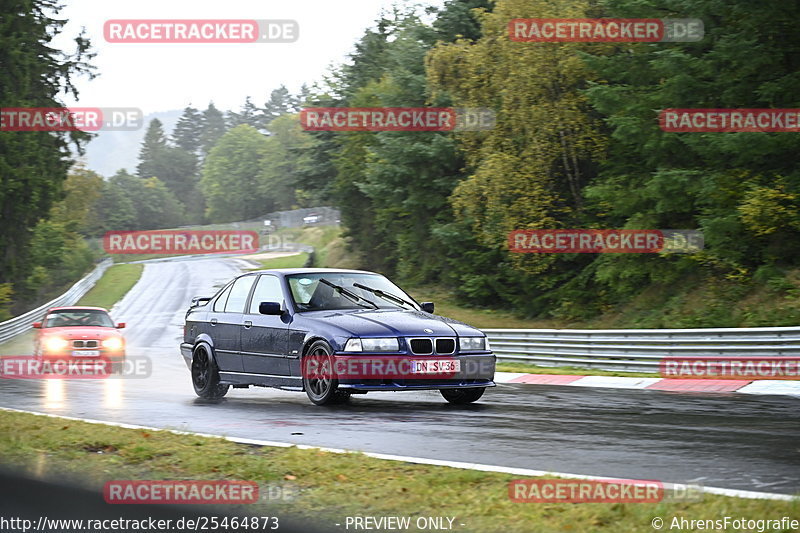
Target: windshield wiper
[(385, 295), (351, 295)]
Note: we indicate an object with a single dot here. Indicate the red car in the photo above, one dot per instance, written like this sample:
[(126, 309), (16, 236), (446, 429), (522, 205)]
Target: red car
[(80, 333)]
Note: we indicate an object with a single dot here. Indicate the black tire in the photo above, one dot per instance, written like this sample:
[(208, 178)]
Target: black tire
[(205, 376), (462, 396), (322, 388)]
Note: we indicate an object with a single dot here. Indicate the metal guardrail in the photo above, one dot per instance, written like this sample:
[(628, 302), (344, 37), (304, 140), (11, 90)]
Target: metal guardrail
[(638, 350), (17, 325)]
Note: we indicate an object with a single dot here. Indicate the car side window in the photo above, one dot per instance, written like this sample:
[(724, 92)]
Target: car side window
[(238, 295), (219, 304), (268, 289)]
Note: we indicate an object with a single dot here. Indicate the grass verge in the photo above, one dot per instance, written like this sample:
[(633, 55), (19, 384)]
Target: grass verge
[(115, 283), (324, 239), (330, 486), (446, 305), (289, 261), (22, 344)]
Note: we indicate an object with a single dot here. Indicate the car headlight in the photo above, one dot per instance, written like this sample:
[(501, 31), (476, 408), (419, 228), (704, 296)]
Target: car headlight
[(473, 344), (55, 344), (113, 343), (385, 344)]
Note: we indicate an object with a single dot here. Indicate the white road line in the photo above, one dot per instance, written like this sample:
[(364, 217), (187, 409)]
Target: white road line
[(735, 493)]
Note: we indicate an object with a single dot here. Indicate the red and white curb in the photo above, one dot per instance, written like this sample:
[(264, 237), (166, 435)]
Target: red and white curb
[(780, 387)]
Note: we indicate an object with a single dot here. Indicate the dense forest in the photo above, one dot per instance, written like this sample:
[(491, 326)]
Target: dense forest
[(577, 144)]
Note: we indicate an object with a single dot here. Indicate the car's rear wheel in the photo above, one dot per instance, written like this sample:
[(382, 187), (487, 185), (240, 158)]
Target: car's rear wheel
[(319, 381), (205, 376), (462, 396)]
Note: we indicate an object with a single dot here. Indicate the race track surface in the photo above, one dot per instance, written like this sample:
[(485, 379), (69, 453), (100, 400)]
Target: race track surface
[(722, 440)]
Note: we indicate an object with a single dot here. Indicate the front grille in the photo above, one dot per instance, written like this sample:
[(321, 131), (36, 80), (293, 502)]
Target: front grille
[(444, 346), (421, 346), (85, 344), (425, 346)]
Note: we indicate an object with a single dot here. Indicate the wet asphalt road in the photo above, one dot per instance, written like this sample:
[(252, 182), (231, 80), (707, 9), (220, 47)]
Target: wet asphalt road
[(723, 440)]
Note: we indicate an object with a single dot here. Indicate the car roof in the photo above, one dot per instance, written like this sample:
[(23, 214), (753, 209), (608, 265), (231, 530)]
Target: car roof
[(78, 308), (290, 271)]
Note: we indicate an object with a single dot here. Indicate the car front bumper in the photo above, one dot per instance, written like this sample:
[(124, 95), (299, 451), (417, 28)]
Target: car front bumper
[(476, 370)]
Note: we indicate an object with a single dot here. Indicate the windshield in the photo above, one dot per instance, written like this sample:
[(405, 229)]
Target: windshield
[(78, 317), (309, 294)]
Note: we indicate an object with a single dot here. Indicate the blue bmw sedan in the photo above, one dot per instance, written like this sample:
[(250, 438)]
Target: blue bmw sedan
[(331, 333)]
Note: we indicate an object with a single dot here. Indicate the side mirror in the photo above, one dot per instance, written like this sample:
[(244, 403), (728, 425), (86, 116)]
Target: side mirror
[(121, 325), (270, 308), (427, 307), (37, 325), (199, 300)]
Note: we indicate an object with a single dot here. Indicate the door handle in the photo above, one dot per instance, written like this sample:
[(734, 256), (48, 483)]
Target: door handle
[(247, 324), (213, 321)]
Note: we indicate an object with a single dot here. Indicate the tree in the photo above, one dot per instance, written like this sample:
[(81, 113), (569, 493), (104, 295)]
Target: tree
[(33, 165), (231, 177), (132, 203), (114, 210), (175, 167), (250, 115), (152, 152), (157, 207), (214, 127), (279, 103), (290, 168), (188, 131), (82, 190), (393, 187), (300, 100), (456, 20), (531, 169), (741, 189)]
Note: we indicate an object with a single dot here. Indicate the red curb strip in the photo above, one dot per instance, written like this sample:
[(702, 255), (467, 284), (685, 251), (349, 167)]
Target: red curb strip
[(699, 385), (743, 386)]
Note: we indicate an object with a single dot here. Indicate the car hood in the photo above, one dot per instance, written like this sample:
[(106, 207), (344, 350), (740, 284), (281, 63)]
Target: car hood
[(392, 323), (78, 332)]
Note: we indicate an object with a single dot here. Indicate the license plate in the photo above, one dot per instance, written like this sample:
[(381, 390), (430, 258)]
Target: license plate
[(436, 366), (85, 353)]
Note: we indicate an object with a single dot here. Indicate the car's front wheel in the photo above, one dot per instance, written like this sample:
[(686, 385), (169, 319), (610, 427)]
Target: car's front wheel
[(205, 376), (462, 396), (319, 380)]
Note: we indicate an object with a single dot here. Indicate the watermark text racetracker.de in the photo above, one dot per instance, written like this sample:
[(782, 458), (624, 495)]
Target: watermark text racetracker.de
[(397, 119), (749, 368), (195, 492), (729, 120), (553, 30), (71, 119), (178, 242), (620, 241), (197, 31), (67, 367), (556, 490)]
